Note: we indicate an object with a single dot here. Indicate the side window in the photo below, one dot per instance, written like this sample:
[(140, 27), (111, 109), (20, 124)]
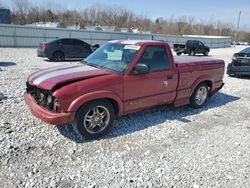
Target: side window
[(156, 58), (84, 43), (201, 44), (247, 50), (67, 42), (76, 42)]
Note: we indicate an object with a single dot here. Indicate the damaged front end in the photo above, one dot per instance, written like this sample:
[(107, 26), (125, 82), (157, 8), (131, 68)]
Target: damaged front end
[(44, 98)]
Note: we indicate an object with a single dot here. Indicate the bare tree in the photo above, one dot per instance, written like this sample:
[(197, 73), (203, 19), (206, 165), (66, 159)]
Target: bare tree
[(20, 9), (23, 12)]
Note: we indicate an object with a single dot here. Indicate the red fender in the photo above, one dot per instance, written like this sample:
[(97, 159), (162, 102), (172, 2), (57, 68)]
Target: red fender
[(199, 80), (77, 103)]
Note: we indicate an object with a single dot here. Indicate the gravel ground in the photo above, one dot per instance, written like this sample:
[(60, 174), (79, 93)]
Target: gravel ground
[(159, 147)]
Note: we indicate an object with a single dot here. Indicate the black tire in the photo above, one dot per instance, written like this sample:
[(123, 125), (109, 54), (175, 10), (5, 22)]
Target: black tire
[(191, 53), (83, 124), (231, 74), (178, 53), (58, 56), (195, 102), (206, 53), (229, 70)]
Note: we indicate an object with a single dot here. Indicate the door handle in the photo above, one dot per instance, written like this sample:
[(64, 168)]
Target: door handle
[(170, 76)]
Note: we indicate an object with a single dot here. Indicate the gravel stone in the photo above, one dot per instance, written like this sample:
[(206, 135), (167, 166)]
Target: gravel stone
[(30, 174), (157, 147), (71, 151)]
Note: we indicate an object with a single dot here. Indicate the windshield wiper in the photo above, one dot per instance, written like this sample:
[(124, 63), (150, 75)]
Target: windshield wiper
[(84, 61), (90, 64), (93, 65)]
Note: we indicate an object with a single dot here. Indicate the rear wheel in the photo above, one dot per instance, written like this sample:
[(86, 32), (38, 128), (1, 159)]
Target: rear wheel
[(178, 53), (191, 53), (199, 96), (94, 119), (58, 56)]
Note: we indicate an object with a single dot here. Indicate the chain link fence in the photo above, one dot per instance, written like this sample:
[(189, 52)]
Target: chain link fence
[(29, 37)]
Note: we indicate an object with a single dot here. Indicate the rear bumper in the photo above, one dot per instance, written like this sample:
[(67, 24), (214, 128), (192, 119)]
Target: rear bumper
[(46, 115), (40, 53), (217, 89)]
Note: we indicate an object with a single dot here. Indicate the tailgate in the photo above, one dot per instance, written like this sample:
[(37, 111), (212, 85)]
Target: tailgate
[(178, 47)]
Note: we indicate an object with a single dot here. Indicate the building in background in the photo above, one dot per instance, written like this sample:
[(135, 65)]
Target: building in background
[(5, 17)]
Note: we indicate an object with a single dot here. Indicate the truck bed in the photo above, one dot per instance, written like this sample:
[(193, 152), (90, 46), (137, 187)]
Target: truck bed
[(178, 47), (195, 69), (181, 61)]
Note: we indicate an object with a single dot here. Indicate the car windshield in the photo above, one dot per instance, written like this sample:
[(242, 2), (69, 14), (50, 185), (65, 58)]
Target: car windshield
[(246, 50), (113, 56)]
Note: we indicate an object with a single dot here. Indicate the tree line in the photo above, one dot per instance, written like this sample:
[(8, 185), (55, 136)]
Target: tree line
[(24, 12)]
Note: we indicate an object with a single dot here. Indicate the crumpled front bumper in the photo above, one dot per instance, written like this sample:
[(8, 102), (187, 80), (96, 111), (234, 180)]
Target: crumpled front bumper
[(46, 115)]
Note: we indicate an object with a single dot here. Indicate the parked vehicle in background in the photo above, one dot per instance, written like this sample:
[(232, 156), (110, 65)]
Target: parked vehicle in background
[(65, 48), (191, 48), (240, 63), (119, 78), (5, 16)]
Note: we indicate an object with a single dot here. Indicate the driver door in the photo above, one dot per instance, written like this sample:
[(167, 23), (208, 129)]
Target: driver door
[(201, 47), (153, 88)]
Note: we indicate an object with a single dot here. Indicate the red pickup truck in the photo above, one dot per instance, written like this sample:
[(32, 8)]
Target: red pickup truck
[(120, 77)]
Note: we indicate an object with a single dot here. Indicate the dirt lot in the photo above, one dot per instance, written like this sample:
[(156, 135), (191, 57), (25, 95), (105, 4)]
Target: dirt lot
[(160, 147)]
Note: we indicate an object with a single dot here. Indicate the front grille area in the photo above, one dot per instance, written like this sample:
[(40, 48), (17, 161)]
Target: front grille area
[(241, 62), (41, 97)]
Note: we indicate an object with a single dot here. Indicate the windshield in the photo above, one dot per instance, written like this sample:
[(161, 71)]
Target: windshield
[(246, 50), (113, 56)]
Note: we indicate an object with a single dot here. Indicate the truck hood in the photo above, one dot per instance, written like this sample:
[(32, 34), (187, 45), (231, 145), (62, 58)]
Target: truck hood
[(51, 77)]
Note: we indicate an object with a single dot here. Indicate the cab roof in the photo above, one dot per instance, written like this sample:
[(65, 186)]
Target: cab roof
[(137, 42)]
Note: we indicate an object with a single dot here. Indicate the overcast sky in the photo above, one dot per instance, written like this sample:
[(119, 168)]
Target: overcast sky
[(203, 10)]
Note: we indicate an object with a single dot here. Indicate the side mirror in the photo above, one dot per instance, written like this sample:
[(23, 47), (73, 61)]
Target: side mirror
[(141, 68)]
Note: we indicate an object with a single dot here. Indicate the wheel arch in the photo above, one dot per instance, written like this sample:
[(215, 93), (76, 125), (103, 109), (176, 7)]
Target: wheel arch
[(90, 97), (60, 51), (204, 79)]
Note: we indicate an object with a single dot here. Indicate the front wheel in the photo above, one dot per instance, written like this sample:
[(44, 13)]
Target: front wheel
[(231, 74), (94, 119), (199, 96), (206, 53), (58, 56)]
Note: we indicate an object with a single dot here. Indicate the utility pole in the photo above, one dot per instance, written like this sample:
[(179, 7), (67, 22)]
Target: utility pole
[(237, 29)]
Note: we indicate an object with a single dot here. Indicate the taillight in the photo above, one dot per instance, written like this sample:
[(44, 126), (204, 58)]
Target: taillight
[(45, 46)]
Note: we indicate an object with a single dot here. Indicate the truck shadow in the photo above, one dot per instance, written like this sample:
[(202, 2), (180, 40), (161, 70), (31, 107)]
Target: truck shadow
[(7, 64), (151, 117)]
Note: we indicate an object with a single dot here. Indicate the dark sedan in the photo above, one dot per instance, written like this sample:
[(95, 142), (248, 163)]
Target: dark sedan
[(65, 48), (240, 63)]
